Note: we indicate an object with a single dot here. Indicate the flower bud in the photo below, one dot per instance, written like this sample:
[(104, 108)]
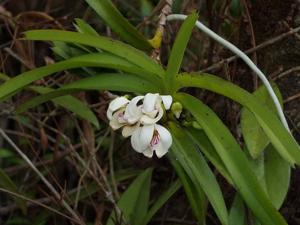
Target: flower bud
[(176, 109)]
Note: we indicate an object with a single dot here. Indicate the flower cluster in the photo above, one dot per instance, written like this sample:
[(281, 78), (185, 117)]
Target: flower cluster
[(139, 118)]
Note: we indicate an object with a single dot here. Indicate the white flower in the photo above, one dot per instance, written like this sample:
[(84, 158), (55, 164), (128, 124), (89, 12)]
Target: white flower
[(151, 138), (152, 107), (138, 118), (116, 114)]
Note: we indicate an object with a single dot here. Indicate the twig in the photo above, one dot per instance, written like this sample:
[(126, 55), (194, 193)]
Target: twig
[(292, 98), (42, 177), (287, 72), (40, 202), (271, 41), (253, 42), (166, 10)]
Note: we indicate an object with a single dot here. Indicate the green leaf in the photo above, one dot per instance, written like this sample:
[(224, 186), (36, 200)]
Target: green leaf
[(277, 176), (198, 170), (73, 104), (109, 81), (234, 159), (84, 27), (192, 190), (179, 47), (119, 24), (163, 198), (281, 139), (95, 60), (134, 201), (68, 102), (206, 147), (237, 214), (254, 136), (8, 184), (107, 44)]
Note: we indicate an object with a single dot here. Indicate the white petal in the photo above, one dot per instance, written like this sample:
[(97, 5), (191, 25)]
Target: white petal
[(128, 130), (109, 114), (133, 112), (135, 140), (150, 101), (146, 135), (116, 104), (145, 119), (115, 124), (148, 153), (141, 138), (167, 101), (160, 151), (165, 137)]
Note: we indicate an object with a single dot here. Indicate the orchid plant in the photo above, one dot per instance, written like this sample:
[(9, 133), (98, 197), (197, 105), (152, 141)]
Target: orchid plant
[(189, 148)]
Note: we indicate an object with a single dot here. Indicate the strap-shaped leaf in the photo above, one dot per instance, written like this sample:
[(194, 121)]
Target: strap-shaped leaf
[(68, 102), (234, 159), (179, 47), (198, 170), (134, 201), (118, 23), (237, 213), (115, 47), (163, 198), (193, 191), (281, 139), (109, 81), (73, 104), (92, 60), (83, 27), (206, 147)]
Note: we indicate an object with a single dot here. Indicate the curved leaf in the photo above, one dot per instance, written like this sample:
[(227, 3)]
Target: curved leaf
[(277, 176), (237, 214), (206, 147), (281, 139), (96, 60), (68, 102), (163, 198), (179, 47), (73, 104), (198, 170), (234, 159), (109, 81), (115, 47), (119, 24), (254, 136), (192, 190), (134, 201)]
